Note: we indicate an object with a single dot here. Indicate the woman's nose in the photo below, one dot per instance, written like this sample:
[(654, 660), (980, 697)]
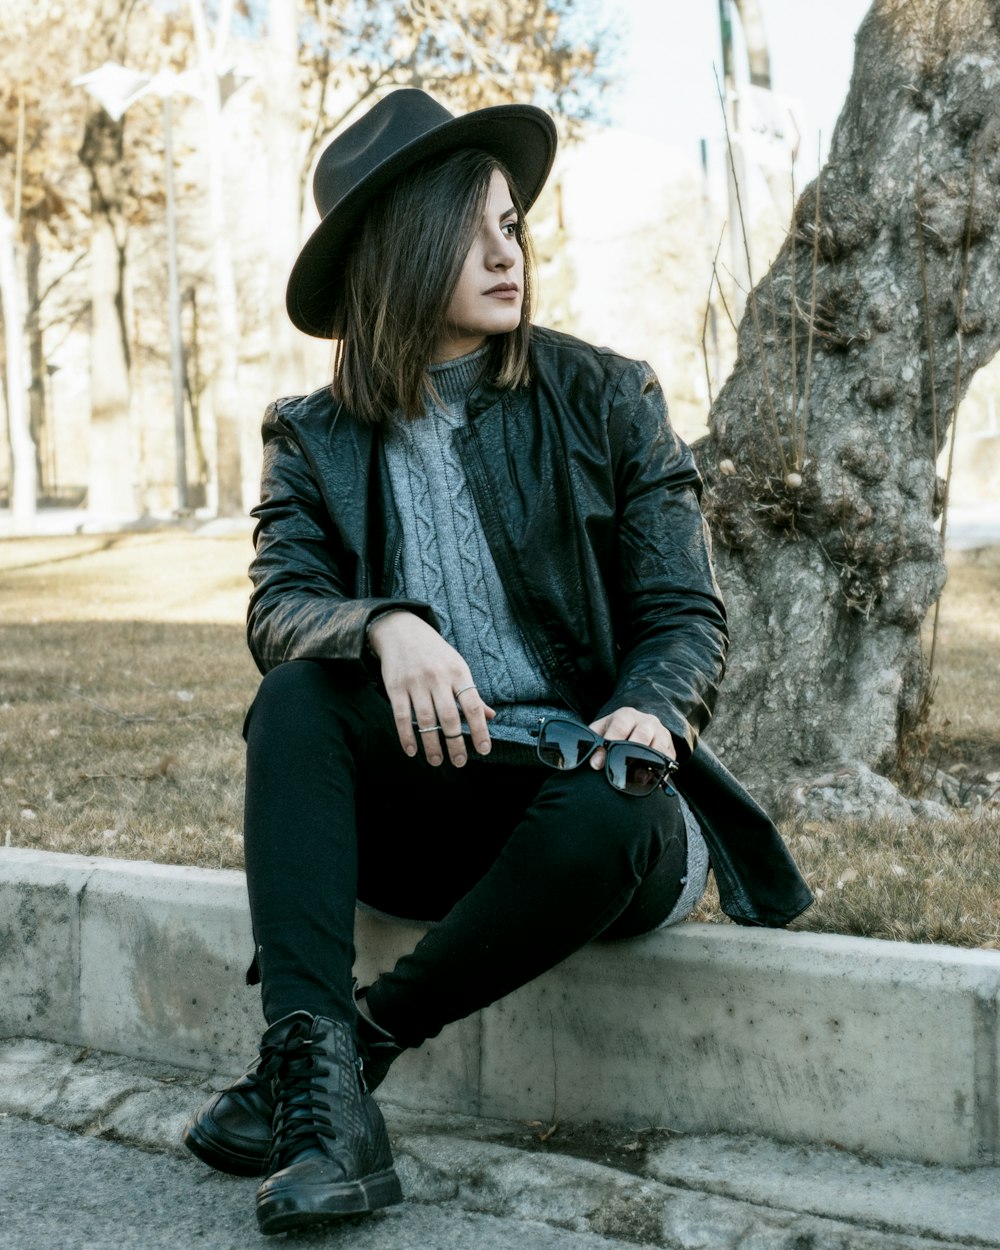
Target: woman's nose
[(503, 253)]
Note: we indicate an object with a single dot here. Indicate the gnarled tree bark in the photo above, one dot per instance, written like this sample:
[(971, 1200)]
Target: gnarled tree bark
[(821, 481)]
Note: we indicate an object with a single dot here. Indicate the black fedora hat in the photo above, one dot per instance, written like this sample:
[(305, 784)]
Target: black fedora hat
[(401, 130)]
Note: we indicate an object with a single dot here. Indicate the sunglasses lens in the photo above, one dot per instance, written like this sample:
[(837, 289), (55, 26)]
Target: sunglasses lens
[(565, 745), (635, 769)]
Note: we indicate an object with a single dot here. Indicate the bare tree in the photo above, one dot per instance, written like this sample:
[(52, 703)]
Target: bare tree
[(37, 164)]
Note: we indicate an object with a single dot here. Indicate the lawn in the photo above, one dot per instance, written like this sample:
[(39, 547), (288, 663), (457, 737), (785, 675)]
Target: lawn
[(125, 678)]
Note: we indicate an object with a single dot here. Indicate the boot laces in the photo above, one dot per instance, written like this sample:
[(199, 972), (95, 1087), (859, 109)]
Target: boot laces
[(302, 1116)]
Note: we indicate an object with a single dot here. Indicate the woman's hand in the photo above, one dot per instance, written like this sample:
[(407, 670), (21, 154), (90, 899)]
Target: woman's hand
[(422, 675), (628, 724)]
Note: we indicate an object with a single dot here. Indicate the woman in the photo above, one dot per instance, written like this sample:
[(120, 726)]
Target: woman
[(482, 592)]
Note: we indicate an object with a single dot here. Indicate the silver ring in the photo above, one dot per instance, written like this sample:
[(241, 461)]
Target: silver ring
[(429, 730), (470, 686)]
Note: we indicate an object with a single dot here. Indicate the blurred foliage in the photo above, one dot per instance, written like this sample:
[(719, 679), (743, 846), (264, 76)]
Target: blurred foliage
[(63, 160), (472, 54)]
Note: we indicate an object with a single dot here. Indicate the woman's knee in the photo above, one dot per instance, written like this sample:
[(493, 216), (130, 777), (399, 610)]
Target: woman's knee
[(592, 824)]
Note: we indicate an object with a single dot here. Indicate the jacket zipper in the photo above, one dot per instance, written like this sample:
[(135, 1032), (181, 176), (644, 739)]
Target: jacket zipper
[(509, 574)]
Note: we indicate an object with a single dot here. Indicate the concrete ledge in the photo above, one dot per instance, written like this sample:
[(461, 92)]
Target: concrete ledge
[(873, 1046)]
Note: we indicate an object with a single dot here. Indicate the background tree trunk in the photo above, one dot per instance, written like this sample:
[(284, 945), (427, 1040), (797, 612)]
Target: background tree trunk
[(758, 56), (284, 161), (226, 398), (37, 414), (821, 482), (22, 449), (759, 64), (111, 483)]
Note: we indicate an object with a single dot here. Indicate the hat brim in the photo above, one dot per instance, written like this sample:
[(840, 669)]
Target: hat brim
[(521, 137)]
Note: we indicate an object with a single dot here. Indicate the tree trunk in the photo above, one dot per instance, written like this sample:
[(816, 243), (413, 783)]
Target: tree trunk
[(758, 57), (111, 486), (283, 141), (225, 387), (820, 462), (37, 415), (22, 449)]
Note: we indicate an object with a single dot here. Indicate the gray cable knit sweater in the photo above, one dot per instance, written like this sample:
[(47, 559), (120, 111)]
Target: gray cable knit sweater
[(444, 559)]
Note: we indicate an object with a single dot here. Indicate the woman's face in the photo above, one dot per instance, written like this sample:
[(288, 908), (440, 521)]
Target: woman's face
[(487, 298)]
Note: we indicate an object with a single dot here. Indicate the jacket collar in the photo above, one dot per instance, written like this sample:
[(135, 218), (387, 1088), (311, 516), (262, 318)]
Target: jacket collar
[(485, 394)]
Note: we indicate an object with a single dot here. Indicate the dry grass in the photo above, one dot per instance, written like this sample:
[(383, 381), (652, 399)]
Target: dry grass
[(965, 720), (123, 685), (922, 883), (125, 678)]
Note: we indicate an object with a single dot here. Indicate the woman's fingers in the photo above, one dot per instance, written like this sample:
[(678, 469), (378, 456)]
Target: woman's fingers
[(451, 727), (426, 726), (477, 715), (450, 710), (430, 688), (439, 720), (402, 714), (628, 724)]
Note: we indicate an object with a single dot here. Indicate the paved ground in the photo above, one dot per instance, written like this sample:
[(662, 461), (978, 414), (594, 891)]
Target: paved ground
[(75, 1192), (89, 1158)]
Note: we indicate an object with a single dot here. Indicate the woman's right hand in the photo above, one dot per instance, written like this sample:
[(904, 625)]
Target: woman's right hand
[(422, 673)]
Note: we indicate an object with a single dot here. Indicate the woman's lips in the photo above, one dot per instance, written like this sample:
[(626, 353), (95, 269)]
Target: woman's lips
[(504, 290)]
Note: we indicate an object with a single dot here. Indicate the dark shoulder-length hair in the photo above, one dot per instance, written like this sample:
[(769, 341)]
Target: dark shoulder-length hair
[(401, 273)]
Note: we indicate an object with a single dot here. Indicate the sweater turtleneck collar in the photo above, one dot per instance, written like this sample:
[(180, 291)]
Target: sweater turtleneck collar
[(453, 379)]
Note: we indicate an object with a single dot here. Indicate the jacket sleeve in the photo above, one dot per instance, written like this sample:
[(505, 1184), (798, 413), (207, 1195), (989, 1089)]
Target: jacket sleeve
[(305, 602), (670, 620)]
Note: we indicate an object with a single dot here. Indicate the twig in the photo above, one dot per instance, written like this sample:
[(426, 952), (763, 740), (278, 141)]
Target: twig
[(704, 344), (794, 301), (918, 19), (777, 335), (752, 293), (704, 324), (921, 255), (19, 159), (722, 296), (960, 315), (800, 449), (155, 774), (129, 718)]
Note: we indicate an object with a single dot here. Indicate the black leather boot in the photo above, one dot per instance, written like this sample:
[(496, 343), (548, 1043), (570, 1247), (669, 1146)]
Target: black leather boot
[(377, 1048), (330, 1152), (232, 1131)]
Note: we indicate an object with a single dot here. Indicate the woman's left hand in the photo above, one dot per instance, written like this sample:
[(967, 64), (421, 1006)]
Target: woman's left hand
[(630, 725)]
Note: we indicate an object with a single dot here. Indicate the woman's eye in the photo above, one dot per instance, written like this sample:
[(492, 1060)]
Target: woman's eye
[(510, 229)]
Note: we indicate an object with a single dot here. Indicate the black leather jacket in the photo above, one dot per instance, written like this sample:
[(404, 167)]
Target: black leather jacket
[(589, 503)]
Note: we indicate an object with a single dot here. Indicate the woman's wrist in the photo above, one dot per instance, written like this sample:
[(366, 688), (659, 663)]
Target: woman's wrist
[(374, 620)]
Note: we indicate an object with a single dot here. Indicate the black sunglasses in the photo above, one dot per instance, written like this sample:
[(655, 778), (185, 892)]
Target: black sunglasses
[(629, 766)]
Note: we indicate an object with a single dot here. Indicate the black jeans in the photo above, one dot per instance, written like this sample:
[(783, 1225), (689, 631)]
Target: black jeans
[(520, 865)]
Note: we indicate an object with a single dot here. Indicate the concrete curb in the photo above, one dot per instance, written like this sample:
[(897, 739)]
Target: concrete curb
[(866, 1045)]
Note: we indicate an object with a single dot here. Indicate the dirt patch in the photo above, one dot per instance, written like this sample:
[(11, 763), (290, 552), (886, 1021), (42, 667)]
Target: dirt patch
[(613, 1146)]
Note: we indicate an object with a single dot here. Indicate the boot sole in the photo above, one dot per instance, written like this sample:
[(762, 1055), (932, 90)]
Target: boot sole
[(219, 1156), (300, 1205)]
